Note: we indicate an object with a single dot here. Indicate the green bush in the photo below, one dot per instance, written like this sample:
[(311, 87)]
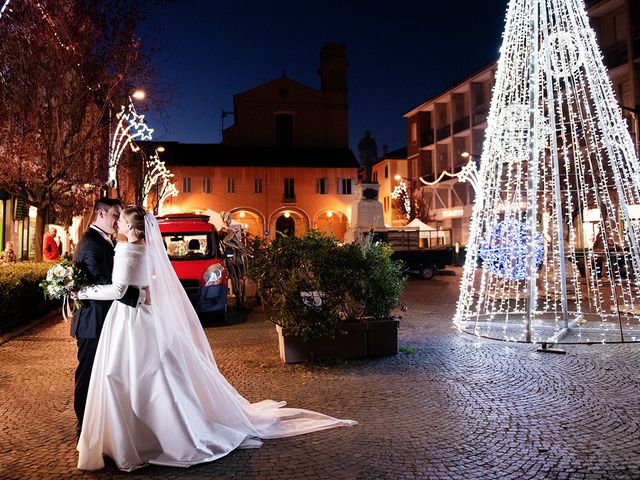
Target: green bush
[(21, 298), (350, 281)]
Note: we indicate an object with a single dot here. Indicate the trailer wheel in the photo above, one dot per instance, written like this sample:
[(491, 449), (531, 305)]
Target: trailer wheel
[(427, 272)]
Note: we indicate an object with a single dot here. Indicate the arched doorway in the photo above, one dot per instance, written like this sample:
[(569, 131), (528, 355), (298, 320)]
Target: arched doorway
[(332, 223), (289, 222), (285, 226), (252, 222)]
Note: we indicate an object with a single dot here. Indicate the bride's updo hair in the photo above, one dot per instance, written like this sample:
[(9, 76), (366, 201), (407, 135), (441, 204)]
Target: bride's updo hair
[(134, 215)]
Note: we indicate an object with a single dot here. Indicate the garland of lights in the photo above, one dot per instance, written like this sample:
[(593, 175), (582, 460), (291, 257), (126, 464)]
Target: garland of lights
[(158, 176), (557, 153), (130, 127), (400, 192), (468, 173), (4, 7)]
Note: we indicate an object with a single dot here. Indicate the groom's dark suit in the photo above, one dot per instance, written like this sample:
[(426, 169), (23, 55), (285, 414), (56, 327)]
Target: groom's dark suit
[(94, 256)]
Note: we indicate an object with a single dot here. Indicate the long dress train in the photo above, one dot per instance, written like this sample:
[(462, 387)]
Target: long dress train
[(156, 395)]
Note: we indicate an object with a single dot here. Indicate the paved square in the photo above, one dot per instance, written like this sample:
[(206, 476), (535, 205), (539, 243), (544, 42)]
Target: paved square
[(452, 407)]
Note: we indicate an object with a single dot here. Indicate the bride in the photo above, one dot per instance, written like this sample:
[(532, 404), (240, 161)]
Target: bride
[(156, 395)]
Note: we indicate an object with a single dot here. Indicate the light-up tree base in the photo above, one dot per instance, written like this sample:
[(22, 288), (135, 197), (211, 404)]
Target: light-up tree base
[(553, 253)]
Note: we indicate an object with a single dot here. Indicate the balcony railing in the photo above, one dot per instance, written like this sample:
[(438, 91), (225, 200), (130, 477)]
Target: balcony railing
[(480, 113), (461, 124), (479, 118), (426, 138), (443, 132), (616, 54)]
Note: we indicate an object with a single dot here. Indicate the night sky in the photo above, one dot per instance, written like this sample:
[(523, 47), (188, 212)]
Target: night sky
[(400, 54)]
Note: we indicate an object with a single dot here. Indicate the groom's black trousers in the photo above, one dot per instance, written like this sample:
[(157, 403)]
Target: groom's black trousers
[(86, 353)]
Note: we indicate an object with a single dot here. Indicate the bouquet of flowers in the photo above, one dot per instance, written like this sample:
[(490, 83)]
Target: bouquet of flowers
[(61, 280)]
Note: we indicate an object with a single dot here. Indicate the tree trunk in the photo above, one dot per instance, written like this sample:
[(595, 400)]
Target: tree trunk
[(41, 222)]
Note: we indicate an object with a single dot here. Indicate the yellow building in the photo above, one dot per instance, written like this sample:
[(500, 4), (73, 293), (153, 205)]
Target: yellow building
[(267, 189), (388, 172), (284, 166)]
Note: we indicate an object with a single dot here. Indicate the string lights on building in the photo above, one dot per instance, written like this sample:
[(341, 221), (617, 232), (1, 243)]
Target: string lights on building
[(553, 252)]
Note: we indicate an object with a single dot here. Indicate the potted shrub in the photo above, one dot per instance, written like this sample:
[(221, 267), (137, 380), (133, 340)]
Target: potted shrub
[(324, 296)]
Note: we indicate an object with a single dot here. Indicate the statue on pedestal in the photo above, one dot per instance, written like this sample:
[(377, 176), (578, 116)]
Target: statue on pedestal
[(368, 154)]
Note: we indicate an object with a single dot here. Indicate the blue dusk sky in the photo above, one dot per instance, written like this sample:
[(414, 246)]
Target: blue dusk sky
[(400, 54)]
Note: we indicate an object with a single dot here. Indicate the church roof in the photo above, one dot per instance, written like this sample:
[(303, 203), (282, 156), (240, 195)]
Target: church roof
[(279, 86), (217, 154)]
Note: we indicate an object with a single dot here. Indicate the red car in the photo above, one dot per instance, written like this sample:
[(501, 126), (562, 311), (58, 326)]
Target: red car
[(193, 248)]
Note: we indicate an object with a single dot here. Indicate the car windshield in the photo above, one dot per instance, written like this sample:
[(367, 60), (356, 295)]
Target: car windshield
[(190, 246)]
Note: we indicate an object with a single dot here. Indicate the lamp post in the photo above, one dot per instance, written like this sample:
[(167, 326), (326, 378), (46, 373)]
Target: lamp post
[(470, 156)]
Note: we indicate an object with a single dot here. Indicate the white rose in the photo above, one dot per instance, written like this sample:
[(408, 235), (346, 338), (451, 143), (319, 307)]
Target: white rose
[(59, 271), (69, 272), (52, 291)]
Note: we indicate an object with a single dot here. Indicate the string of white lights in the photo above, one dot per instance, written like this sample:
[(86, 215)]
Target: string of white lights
[(554, 244), (400, 192), (4, 7), (130, 127), (160, 178), (468, 173)]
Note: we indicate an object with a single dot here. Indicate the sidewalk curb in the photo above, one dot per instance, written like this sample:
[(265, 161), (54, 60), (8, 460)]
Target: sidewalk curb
[(18, 331)]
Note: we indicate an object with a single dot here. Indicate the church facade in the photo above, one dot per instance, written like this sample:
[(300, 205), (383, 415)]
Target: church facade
[(284, 166)]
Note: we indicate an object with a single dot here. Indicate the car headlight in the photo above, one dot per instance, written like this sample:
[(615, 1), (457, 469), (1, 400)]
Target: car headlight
[(213, 275)]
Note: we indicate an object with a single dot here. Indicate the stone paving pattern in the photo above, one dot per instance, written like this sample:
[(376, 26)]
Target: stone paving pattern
[(454, 408)]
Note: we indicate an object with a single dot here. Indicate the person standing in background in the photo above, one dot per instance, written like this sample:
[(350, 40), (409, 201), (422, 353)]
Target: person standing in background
[(8, 255), (50, 250)]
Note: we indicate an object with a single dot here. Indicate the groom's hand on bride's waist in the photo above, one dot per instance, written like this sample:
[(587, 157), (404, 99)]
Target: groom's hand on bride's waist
[(147, 300)]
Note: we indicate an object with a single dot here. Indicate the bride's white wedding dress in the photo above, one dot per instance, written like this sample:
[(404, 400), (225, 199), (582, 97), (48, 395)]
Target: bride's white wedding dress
[(156, 395)]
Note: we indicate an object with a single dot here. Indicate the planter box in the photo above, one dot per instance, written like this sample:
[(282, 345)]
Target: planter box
[(352, 344), (362, 339), (382, 337)]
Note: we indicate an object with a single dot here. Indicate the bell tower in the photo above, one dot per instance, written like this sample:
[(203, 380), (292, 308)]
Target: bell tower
[(333, 85)]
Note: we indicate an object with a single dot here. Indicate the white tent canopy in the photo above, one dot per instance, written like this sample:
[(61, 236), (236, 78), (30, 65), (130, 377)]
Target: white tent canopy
[(423, 227)]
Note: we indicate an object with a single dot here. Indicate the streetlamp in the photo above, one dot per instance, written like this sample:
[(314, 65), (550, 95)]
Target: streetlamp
[(139, 94), (469, 155)]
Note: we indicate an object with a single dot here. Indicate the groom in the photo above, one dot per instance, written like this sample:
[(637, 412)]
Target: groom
[(94, 256)]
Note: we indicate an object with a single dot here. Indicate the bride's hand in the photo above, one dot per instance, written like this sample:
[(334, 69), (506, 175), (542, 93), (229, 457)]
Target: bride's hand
[(73, 294)]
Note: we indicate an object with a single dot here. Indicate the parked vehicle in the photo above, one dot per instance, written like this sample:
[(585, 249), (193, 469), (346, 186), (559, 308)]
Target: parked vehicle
[(193, 247), (422, 261)]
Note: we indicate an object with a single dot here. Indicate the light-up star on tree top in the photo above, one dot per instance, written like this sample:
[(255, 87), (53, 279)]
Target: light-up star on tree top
[(558, 163)]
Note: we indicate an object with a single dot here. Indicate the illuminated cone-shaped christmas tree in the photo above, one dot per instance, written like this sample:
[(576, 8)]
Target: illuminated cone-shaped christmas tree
[(553, 252)]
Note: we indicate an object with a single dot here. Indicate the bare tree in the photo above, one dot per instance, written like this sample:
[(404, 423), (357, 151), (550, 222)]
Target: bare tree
[(63, 65)]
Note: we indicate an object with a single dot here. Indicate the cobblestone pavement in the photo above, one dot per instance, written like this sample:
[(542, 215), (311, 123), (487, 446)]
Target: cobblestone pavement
[(451, 407)]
